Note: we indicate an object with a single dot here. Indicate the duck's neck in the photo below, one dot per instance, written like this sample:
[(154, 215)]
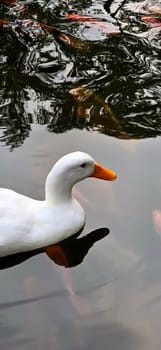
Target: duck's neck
[(58, 190)]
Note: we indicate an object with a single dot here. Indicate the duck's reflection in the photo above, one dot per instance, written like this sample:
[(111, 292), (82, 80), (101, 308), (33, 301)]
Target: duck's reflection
[(68, 253)]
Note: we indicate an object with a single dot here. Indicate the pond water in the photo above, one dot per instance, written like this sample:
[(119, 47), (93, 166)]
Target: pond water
[(96, 88)]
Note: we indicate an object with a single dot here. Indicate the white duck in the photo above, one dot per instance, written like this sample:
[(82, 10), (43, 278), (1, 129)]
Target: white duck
[(28, 224)]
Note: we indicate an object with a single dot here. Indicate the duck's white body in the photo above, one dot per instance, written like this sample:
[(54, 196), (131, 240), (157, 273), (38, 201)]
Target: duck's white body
[(28, 224)]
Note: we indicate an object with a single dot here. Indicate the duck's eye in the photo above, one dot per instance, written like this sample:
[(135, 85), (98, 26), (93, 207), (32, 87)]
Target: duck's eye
[(83, 165)]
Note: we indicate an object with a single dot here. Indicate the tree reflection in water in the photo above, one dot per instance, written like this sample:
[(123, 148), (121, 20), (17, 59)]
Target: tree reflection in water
[(40, 68)]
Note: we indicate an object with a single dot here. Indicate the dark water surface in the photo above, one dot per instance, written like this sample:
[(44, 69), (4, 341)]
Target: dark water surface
[(112, 299)]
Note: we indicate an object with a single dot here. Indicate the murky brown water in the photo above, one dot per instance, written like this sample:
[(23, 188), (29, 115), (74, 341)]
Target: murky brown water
[(112, 297)]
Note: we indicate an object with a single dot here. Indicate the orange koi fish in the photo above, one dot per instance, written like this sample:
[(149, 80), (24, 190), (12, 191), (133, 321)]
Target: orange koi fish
[(156, 215), (154, 22), (66, 39), (107, 27), (76, 17), (88, 106), (36, 27), (71, 253), (4, 22)]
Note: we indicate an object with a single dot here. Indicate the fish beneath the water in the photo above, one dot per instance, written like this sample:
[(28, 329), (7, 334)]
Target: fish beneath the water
[(96, 111), (66, 39), (156, 215), (37, 28), (107, 27), (154, 22)]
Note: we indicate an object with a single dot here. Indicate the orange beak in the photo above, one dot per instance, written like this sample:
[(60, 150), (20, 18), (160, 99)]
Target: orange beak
[(103, 173)]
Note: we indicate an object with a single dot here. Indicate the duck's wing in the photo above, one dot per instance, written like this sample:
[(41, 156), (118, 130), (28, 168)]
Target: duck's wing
[(16, 220), (14, 205)]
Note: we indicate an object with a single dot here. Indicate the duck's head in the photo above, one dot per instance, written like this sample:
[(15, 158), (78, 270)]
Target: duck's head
[(76, 166), (69, 170)]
